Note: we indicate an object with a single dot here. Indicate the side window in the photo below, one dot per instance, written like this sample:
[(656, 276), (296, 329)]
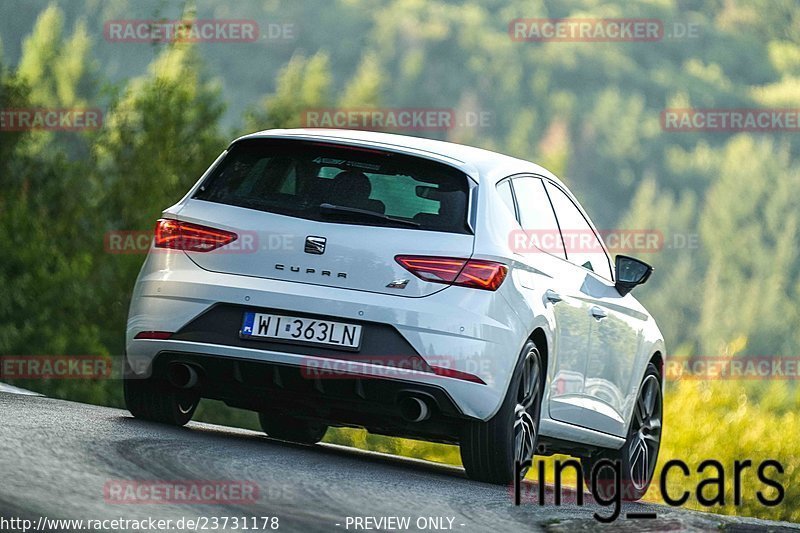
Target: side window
[(582, 245), (504, 189), (537, 218)]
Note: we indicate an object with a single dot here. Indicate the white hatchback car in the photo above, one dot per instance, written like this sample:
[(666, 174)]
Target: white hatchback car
[(412, 287)]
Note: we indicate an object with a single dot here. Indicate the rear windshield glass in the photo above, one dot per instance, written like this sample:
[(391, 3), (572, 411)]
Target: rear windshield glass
[(340, 184)]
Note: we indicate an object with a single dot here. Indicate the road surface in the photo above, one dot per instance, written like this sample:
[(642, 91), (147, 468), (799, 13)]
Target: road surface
[(57, 457)]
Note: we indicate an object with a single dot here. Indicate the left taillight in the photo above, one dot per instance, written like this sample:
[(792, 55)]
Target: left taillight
[(474, 273), (177, 235)]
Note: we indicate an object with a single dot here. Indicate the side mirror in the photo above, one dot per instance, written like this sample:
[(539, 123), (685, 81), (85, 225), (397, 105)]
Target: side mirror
[(630, 273)]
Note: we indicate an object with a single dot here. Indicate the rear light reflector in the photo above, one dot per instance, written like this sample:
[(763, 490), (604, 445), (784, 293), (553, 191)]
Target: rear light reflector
[(474, 273), (159, 335), (176, 235), (456, 374)]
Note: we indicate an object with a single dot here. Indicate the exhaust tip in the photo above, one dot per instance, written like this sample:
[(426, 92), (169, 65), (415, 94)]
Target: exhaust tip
[(182, 376), (414, 409)]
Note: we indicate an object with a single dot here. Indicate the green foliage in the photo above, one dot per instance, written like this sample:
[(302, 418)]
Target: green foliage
[(727, 422), (749, 231), (364, 89), (47, 307), (160, 136), (55, 67), (60, 74), (302, 84)]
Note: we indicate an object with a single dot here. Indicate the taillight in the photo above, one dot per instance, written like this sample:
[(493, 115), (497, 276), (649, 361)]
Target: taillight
[(158, 335), (177, 235), (475, 273), (456, 374)]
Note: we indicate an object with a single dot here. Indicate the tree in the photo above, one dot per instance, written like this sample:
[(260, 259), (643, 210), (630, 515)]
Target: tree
[(749, 228), (61, 75), (160, 136), (679, 262), (45, 308), (303, 84)]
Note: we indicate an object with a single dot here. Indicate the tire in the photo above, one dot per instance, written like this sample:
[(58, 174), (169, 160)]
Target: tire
[(489, 450), (283, 427), (637, 457), (157, 401)]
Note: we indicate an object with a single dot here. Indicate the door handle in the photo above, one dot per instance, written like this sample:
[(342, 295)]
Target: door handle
[(597, 312), (552, 296)]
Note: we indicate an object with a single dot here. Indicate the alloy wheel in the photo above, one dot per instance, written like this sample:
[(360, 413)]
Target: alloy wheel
[(646, 433), (526, 412)]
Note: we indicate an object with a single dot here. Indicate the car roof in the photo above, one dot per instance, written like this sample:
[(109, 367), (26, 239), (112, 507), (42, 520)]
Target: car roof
[(482, 165)]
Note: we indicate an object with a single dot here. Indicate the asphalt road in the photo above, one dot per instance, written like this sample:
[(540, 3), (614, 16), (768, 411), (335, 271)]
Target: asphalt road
[(57, 457)]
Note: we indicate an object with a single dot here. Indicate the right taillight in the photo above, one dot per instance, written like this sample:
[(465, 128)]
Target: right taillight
[(177, 235), (474, 273)]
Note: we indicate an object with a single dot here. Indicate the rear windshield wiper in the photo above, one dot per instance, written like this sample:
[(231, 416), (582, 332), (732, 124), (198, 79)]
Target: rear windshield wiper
[(341, 211)]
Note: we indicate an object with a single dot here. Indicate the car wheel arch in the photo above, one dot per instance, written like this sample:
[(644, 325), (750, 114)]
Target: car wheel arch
[(539, 338), (658, 360)]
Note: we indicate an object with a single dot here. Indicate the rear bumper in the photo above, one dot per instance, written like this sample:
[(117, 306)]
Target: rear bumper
[(468, 330), (373, 403)]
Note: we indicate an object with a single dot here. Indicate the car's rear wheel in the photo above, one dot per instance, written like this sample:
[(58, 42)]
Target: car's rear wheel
[(637, 457), (491, 449), (284, 427), (158, 401)]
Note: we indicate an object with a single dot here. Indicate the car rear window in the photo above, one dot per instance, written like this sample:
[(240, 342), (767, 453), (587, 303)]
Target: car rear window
[(334, 183)]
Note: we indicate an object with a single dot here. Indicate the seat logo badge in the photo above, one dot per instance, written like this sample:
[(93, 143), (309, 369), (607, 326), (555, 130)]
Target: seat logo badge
[(398, 284), (315, 245)]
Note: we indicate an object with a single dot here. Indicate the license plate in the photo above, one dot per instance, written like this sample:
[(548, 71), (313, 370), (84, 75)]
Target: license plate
[(301, 330)]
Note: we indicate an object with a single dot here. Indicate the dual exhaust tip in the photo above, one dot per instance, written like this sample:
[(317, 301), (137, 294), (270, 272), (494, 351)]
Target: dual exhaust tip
[(183, 376), (414, 409)]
